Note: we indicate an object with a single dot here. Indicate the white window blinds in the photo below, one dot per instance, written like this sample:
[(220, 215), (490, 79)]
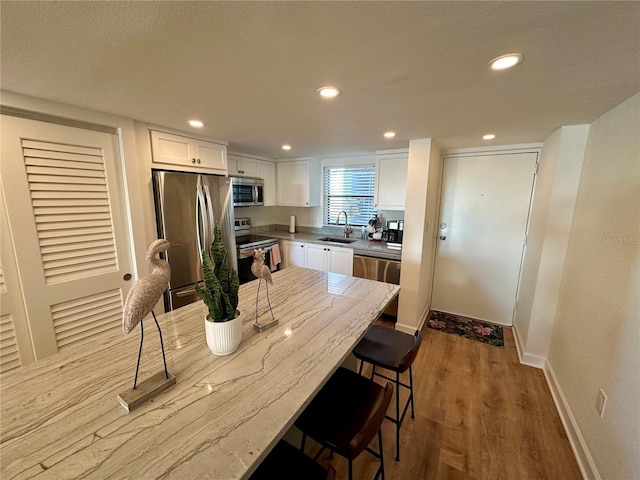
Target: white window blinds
[(350, 189)]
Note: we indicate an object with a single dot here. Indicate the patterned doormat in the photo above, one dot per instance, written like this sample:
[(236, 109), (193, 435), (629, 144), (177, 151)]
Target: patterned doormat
[(467, 328)]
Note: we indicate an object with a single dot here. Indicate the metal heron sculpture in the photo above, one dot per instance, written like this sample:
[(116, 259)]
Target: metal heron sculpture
[(261, 271)]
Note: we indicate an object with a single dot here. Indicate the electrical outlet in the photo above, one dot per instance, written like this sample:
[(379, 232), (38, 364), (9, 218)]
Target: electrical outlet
[(601, 402)]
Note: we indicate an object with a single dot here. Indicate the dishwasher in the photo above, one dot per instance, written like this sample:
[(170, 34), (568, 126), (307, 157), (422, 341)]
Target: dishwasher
[(381, 269)]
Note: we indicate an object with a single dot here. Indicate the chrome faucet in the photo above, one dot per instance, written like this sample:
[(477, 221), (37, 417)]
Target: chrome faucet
[(347, 228)]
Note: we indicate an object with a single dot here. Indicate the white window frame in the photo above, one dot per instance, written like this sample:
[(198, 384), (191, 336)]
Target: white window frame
[(358, 212)]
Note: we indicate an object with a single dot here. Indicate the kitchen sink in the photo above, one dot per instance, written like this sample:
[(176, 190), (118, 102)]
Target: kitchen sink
[(337, 239)]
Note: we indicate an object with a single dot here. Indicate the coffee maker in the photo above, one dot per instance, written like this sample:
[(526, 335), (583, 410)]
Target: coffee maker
[(395, 231)]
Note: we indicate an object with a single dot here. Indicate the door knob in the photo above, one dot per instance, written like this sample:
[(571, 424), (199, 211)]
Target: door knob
[(126, 277), (442, 237)]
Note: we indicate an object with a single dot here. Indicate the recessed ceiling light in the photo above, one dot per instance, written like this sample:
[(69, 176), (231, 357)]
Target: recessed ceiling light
[(488, 136), (196, 123), (389, 134), (506, 61), (328, 92), (286, 147)]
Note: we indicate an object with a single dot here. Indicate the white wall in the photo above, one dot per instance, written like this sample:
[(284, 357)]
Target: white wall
[(596, 335), (418, 246), (552, 210)]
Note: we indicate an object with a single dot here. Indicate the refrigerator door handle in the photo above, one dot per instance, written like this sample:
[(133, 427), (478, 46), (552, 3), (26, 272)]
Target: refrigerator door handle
[(200, 218), (209, 207)]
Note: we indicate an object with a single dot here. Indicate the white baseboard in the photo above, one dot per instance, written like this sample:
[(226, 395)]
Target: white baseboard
[(526, 358), (578, 445), (411, 329)]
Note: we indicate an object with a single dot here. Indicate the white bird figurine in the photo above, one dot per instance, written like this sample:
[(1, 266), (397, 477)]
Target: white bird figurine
[(143, 296), (260, 270), (146, 291)]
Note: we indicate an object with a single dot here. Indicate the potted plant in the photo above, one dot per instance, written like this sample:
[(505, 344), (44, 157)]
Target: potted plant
[(219, 292)]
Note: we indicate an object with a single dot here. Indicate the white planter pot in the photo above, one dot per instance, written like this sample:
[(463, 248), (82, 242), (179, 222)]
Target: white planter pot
[(223, 338)]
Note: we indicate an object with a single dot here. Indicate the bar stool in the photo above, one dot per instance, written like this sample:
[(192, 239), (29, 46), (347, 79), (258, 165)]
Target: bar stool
[(345, 416), (393, 350), (286, 462)]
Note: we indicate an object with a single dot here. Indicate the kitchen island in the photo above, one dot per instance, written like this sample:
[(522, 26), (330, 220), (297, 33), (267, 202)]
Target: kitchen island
[(60, 417)]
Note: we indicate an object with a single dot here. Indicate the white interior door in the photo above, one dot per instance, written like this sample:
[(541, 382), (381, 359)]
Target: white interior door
[(64, 199), (483, 221)]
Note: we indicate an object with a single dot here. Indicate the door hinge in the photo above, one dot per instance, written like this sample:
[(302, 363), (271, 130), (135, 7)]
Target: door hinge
[(536, 170)]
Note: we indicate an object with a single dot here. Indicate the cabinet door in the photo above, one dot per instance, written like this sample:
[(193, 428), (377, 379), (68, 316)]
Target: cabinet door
[(232, 165), (317, 257), (210, 155), (293, 254), (391, 181), (249, 167), (293, 184), (268, 174), (188, 152), (172, 149), (341, 260)]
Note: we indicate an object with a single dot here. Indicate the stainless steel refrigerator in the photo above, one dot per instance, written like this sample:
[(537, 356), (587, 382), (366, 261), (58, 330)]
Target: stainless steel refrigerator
[(187, 207)]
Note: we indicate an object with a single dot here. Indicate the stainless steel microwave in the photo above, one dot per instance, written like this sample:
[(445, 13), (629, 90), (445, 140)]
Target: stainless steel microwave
[(247, 191)]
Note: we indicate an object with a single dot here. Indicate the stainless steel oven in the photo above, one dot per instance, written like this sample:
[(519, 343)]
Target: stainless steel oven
[(247, 191), (246, 243)]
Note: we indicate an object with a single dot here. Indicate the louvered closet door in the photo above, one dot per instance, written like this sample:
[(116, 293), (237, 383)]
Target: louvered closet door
[(64, 198)]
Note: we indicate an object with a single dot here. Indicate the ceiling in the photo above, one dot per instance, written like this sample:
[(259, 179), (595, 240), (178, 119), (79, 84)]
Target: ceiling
[(250, 70)]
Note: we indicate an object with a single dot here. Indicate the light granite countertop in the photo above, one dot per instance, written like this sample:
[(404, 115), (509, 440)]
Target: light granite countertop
[(61, 419), (371, 248)]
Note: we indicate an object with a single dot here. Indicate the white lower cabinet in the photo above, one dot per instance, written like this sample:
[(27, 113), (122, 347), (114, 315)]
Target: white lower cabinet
[(317, 257), (293, 254), (341, 260)]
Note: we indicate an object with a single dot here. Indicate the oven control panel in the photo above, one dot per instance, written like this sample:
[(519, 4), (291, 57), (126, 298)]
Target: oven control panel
[(242, 226)]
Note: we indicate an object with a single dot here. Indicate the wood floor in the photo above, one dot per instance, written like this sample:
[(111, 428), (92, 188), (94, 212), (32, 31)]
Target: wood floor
[(480, 414)]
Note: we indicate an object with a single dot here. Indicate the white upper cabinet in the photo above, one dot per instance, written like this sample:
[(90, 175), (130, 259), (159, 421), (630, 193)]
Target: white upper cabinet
[(268, 174), (391, 179), (180, 151), (244, 166), (299, 183)]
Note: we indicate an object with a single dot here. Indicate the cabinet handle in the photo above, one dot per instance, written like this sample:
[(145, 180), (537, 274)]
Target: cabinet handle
[(193, 160), (198, 160), (240, 171)]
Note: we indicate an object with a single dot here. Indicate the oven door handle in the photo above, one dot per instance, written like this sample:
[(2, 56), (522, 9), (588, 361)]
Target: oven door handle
[(249, 253)]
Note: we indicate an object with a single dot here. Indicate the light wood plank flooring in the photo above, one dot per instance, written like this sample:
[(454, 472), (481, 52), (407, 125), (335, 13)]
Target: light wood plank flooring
[(480, 414)]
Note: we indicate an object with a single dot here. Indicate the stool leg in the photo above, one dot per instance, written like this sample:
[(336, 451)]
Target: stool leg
[(411, 391), (381, 452), (361, 365), (397, 416), (373, 371), (304, 439)]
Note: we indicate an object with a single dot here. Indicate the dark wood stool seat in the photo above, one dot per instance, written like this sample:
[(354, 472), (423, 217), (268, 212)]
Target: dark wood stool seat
[(392, 350), (345, 416), (286, 462)]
